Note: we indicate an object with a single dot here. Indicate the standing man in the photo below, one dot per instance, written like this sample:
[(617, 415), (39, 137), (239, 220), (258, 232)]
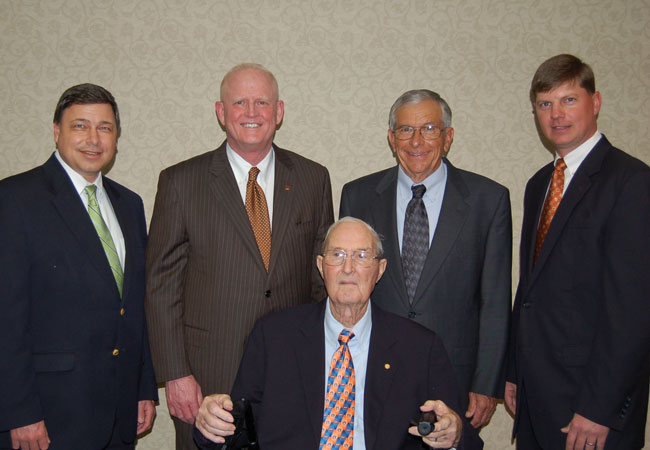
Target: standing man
[(234, 235), (448, 241), (76, 371), (578, 372)]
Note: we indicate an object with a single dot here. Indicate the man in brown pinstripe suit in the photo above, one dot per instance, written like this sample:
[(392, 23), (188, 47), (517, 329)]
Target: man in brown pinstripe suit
[(206, 278)]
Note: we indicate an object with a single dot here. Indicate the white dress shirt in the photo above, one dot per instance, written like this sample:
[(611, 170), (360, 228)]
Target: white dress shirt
[(266, 177), (105, 207)]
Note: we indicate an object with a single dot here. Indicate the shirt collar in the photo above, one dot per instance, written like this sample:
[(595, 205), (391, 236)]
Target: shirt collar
[(333, 327), (434, 180), (241, 167), (575, 157)]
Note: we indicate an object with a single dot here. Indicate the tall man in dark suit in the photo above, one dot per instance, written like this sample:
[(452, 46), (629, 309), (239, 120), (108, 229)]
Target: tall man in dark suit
[(233, 236), (290, 366), (578, 372), (454, 275), (75, 370)]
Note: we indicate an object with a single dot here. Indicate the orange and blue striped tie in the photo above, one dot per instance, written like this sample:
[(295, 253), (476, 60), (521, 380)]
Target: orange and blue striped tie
[(338, 417)]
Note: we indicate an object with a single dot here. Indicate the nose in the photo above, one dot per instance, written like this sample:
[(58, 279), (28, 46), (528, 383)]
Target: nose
[(348, 264), (557, 110), (93, 136), (250, 109), (417, 138)]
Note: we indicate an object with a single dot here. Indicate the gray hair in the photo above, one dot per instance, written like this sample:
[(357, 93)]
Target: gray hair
[(417, 96), (376, 240), (250, 66)]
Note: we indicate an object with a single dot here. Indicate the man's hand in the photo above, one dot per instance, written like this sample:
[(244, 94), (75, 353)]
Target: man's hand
[(184, 398), (585, 434), (480, 409), (511, 397), (448, 428), (146, 413), (214, 421), (30, 437)]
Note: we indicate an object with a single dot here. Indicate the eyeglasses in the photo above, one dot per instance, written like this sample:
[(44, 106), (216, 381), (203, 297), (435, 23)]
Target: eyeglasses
[(336, 257), (428, 132)]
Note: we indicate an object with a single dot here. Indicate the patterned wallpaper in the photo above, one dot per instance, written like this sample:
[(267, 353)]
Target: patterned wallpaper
[(340, 65)]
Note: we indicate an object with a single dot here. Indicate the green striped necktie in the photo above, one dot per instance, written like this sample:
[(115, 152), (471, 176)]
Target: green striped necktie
[(104, 236)]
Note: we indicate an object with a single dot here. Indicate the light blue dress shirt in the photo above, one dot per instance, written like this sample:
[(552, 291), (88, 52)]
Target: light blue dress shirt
[(359, 346), (435, 184)]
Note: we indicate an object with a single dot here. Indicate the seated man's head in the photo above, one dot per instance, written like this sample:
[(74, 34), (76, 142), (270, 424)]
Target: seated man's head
[(351, 264)]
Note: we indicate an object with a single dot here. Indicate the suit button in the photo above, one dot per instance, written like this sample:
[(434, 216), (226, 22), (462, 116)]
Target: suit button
[(267, 293), (116, 352), (621, 416), (122, 312), (412, 314), (526, 305)]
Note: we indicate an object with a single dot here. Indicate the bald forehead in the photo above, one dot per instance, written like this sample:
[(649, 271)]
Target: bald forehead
[(248, 72)]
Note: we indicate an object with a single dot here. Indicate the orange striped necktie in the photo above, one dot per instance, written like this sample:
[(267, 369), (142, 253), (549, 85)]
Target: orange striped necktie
[(338, 416), (553, 199)]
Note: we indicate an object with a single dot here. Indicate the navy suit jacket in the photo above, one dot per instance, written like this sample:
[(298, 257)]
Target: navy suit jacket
[(464, 292), (282, 374), (62, 317), (581, 321)]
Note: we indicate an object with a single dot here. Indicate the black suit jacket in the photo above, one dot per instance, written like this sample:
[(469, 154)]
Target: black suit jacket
[(581, 319), (464, 292), (282, 374), (61, 313)]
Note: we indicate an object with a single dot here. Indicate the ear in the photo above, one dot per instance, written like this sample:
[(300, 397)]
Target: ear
[(382, 269), (279, 112), (220, 113), (598, 101), (57, 131), (449, 138), (319, 264), (391, 139)]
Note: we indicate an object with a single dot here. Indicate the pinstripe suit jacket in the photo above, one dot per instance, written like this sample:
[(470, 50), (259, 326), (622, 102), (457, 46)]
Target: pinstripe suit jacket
[(206, 282)]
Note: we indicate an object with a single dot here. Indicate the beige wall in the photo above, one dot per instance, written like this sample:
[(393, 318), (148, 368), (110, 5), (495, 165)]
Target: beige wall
[(340, 65)]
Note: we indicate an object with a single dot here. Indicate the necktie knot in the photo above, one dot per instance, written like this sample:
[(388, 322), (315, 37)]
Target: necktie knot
[(90, 191), (560, 165), (252, 175), (418, 190), (345, 336)]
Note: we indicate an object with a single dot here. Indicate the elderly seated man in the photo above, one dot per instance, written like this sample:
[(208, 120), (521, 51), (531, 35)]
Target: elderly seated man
[(341, 374)]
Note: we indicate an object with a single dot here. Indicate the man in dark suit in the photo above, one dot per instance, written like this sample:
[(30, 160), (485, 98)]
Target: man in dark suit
[(578, 372), (291, 360), (76, 371), (459, 285), (215, 262)]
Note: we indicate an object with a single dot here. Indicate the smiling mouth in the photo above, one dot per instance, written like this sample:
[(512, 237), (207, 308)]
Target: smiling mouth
[(91, 153), (251, 125), (417, 154)]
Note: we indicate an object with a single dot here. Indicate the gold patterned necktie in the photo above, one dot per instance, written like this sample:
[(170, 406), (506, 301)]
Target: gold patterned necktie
[(553, 199), (104, 236), (258, 214), (338, 415)]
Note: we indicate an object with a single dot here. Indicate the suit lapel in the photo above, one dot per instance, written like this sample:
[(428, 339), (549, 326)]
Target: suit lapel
[(577, 189), (224, 187), (379, 377), (385, 220), (452, 217), (310, 354), (284, 190), (69, 206)]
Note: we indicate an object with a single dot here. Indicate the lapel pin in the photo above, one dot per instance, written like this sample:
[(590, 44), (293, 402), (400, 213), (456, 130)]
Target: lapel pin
[(287, 187), (386, 366)]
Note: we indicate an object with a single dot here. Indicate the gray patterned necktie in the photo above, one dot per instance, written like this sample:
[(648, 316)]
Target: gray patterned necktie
[(415, 240)]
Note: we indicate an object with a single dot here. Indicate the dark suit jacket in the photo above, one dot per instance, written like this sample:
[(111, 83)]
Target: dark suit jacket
[(206, 282), (61, 318), (581, 320), (464, 292), (282, 374)]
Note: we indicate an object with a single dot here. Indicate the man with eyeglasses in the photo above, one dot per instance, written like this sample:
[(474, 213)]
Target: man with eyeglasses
[(393, 370), (448, 241)]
